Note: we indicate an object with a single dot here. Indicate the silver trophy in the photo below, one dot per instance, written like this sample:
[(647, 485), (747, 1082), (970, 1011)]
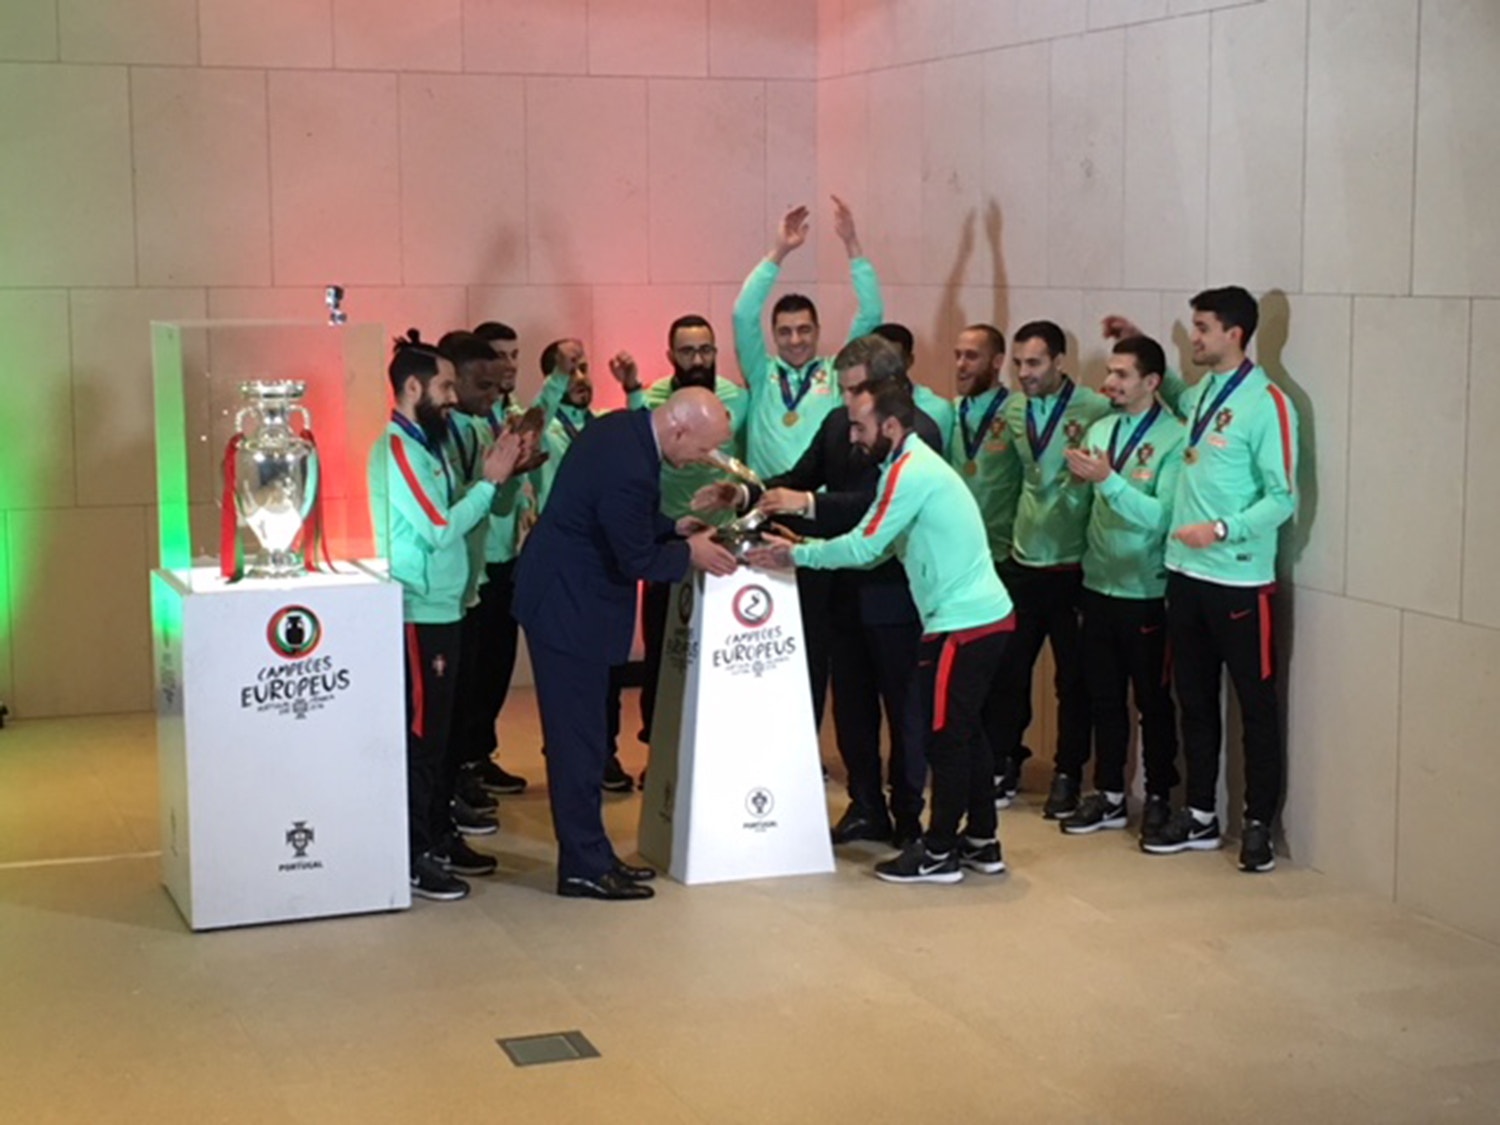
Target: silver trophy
[(740, 535), (275, 475)]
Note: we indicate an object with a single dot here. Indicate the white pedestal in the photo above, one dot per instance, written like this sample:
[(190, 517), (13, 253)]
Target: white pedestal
[(280, 736), (734, 789)]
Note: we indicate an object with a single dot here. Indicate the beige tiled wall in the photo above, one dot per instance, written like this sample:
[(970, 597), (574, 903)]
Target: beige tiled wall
[(594, 167), (1335, 157)]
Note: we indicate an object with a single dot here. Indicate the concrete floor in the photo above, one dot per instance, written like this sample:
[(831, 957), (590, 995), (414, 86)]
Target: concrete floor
[(1093, 984)]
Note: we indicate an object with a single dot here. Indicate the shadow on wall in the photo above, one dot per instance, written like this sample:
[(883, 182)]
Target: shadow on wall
[(952, 317)]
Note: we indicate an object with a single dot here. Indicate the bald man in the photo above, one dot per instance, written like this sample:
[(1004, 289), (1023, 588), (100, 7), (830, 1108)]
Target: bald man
[(602, 532)]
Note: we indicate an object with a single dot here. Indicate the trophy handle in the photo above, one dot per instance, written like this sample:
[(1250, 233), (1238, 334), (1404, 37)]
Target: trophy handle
[(306, 417), (239, 418)]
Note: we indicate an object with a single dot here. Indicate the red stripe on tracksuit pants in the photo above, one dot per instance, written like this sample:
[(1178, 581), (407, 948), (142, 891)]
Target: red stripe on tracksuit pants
[(957, 671)]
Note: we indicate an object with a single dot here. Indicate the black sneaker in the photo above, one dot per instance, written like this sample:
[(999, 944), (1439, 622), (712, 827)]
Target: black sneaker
[(468, 789), (1154, 817), (616, 780), (1008, 781), (1183, 833), (981, 855), (1062, 800), (1094, 812), (1257, 853), (908, 830), (429, 880), (470, 821), (918, 865), (457, 857), (496, 780)]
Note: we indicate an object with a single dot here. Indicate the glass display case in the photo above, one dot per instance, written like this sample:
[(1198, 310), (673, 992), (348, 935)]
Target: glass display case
[(263, 430)]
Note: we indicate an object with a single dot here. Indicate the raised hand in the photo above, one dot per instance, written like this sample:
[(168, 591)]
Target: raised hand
[(623, 367), (1118, 327), (710, 556), (843, 226), (790, 233)]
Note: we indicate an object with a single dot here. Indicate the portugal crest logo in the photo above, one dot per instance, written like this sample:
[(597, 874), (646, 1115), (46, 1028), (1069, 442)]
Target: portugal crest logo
[(294, 632)]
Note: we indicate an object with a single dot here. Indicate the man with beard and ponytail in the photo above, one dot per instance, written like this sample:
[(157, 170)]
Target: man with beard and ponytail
[(927, 518), (422, 516), (875, 627), (693, 354)]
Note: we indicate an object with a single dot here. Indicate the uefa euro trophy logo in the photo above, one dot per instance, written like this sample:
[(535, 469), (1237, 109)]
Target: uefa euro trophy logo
[(271, 482)]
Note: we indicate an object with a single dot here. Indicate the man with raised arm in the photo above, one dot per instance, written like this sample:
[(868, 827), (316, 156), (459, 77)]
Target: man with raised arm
[(793, 389)]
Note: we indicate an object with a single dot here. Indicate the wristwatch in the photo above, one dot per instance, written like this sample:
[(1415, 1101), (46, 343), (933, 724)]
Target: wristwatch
[(1221, 531)]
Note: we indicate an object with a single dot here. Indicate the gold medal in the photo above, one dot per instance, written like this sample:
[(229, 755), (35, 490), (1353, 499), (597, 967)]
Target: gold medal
[(1190, 455), (790, 418), (970, 468)]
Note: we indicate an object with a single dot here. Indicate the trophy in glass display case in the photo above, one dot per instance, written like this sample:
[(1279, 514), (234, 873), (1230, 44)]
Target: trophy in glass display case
[(271, 483)]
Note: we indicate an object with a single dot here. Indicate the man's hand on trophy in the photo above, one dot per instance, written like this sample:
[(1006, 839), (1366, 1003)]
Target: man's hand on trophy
[(710, 556), (690, 525), (623, 367), (721, 496), (500, 461), (774, 554), (784, 502)]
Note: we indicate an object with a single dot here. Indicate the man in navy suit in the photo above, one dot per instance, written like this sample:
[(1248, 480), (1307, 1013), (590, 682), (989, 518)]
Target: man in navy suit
[(602, 532)]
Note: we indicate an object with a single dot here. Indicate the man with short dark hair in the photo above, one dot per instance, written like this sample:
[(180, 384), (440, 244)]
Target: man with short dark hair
[(1238, 486), (1132, 459), (792, 391), (1044, 573), (927, 518)]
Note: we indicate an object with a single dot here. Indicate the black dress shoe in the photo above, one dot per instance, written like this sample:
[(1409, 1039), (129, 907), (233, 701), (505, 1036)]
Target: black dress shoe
[(634, 874), (856, 824), (611, 886)]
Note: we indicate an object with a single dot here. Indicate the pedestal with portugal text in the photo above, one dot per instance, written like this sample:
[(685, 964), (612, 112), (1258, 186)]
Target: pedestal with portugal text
[(734, 789), (280, 735)]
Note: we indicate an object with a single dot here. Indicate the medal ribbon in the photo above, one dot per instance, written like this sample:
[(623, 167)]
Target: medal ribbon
[(414, 431), (793, 401), (1203, 417), (1039, 442), (568, 426), (1141, 427), (972, 444)]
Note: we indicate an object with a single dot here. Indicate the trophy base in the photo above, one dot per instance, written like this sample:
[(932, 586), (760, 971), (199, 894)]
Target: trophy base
[(275, 564)]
